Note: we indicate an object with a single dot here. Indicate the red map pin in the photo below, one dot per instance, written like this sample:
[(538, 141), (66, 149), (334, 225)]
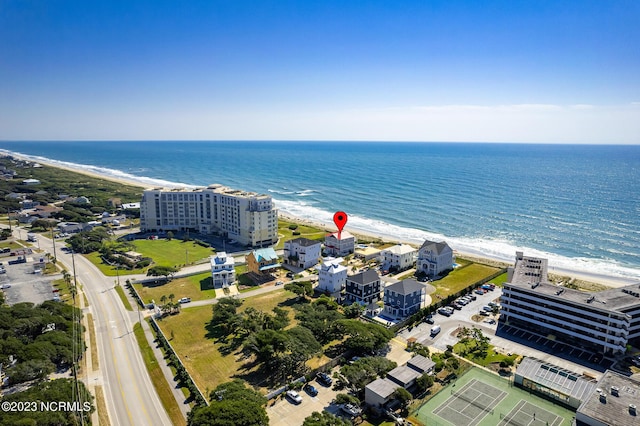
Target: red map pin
[(340, 219)]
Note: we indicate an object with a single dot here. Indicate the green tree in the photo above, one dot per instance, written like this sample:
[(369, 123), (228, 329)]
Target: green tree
[(225, 316), (232, 403), (364, 337), (325, 418), (162, 271), (424, 382), (366, 370), (354, 310), (403, 396), (301, 288)]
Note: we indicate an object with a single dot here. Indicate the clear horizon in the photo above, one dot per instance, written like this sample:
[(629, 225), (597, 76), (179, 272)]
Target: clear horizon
[(491, 72)]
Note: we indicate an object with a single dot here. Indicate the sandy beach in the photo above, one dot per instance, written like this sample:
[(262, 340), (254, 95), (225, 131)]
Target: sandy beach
[(610, 281)]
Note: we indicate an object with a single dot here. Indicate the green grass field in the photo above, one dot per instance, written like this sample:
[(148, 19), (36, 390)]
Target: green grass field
[(286, 234), (108, 270), (425, 415), (491, 357), (201, 354), (172, 253), (197, 287), (460, 278)]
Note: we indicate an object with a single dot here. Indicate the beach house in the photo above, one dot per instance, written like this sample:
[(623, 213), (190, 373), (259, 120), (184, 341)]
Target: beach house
[(398, 258), (434, 258), (262, 261), (332, 275), (363, 288), (404, 298), (339, 244), (302, 252), (223, 272)]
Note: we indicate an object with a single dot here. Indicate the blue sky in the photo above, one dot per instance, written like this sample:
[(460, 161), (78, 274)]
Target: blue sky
[(503, 71)]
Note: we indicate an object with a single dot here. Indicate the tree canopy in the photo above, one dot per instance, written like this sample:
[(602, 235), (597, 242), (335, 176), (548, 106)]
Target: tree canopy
[(232, 404)]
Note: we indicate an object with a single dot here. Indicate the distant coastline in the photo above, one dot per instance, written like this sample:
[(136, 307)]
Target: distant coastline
[(299, 203)]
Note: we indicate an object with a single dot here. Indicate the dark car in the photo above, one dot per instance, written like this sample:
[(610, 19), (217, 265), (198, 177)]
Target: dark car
[(429, 320), (324, 379), (311, 390)]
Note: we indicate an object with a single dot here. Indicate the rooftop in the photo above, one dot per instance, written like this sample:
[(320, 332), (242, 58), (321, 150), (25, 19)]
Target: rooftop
[(438, 247), (556, 378), (421, 363), (407, 286), (364, 277), (610, 402), (400, 249), (343, 236), (266, 254), (382, 387), (304, 242), (403, 375)]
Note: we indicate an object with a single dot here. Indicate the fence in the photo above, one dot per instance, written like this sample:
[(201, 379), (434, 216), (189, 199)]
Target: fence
[(173, 356)]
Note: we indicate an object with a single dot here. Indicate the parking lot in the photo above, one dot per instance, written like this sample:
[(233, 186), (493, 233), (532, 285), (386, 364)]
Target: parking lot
[(284, 412), (462, 317), (20, 284)]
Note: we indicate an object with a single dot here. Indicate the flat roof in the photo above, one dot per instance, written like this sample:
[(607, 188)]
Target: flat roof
[(382, 387), (421, 363), (403, 374), (609, 401), (557, 378)]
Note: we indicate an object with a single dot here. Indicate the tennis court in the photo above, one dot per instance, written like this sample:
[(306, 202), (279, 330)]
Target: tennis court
[(480, 398), (470, 404), (527, 414)]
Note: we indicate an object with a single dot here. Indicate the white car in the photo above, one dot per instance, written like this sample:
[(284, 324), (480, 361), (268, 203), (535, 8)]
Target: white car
[(294, 396), (184, 300)]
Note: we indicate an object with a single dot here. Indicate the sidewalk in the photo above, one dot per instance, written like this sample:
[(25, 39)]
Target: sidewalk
[(166, 370)]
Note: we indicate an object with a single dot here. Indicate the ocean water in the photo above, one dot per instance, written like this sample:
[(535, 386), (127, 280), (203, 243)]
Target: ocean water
[(578, 205)]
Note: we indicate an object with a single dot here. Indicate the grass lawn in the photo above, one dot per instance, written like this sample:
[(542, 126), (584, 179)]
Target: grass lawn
[(197, 287), (120, 290), (172, 253), (286, 234), (491, 357), (12, 245), (201, 354), (462, 277), (157, 377), (108, 270), (64, 293)]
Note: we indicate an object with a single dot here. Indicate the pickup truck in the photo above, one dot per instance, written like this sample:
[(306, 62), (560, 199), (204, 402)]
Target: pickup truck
[(20, 259)]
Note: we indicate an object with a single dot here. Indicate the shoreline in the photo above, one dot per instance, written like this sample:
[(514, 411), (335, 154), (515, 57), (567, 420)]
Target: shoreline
[(607, 280)]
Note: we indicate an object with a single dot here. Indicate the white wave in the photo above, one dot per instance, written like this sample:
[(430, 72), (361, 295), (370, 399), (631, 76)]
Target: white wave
[(305, 192), (499, 249), (102, 171), (280, 192)]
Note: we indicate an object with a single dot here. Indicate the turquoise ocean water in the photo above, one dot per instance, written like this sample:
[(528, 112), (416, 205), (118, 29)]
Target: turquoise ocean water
[(578, 205)]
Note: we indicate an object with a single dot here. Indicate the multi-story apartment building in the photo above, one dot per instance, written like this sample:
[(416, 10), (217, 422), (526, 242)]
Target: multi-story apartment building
[(434, 258), (223, 271), (339, 244), (302, 252), (404, 298), (332, 275), (603, 322), (247, 217), (363, 288), (398, 257)]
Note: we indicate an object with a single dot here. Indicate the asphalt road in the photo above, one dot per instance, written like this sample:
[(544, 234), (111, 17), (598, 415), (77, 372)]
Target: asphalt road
[(130, 396)]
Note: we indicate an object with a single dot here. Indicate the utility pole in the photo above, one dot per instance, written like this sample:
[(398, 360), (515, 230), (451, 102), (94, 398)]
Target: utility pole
[(54, 245)]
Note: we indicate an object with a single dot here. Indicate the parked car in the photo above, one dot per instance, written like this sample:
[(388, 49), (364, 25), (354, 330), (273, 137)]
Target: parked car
[(429, 320), (478, 291), (184, 300), (279, 283), (324, 378), (294, 396), (487, 308), (311, 390)]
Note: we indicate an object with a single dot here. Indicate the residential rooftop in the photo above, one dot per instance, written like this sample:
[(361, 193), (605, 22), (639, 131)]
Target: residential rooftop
[(364, 277), (400, 249), (407, 286)]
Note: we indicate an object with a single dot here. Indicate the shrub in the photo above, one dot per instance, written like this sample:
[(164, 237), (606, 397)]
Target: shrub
[(293, 227)]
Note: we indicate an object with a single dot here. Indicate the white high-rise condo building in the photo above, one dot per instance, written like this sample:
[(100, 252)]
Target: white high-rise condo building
[(247, 217)]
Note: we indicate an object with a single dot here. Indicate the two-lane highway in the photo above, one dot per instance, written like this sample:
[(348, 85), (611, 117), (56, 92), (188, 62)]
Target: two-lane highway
[(130, 396)]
